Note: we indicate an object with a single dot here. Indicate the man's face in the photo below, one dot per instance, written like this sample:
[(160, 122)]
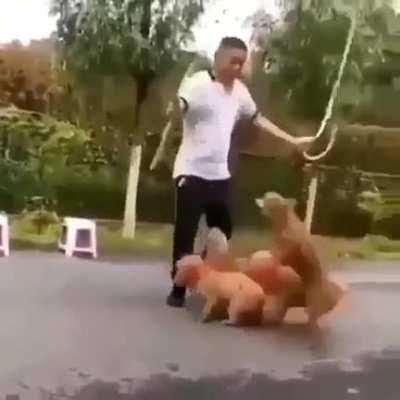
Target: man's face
[(229, 63)]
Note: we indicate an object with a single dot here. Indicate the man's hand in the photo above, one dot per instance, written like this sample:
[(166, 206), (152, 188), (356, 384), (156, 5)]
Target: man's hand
[(170, 109), (175, 110), (303, 143)]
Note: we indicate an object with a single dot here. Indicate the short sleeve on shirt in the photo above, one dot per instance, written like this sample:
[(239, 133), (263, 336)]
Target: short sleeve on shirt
[(189, 90), (248, 107)]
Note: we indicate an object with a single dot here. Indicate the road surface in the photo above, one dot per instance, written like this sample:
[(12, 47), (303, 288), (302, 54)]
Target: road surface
[(100, 330)]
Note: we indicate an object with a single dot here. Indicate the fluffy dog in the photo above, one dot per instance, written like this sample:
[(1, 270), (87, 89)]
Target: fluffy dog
[(225, 292), (273, 277), (282, 286), (292, 246)]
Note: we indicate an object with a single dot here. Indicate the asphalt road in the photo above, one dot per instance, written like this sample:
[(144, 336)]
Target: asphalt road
[(100, 330)]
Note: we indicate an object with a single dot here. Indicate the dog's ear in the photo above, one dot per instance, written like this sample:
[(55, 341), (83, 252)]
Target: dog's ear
[(183, 275), (188, 271), (189, 277)]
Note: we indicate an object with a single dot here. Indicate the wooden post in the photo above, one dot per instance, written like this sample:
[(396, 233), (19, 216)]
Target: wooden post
[(129, 228), (311, 198)]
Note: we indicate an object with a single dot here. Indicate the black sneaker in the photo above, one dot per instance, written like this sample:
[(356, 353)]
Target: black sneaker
[(176, 298)]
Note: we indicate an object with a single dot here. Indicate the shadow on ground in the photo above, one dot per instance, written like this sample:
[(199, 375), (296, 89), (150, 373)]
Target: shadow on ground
[(370, 376)]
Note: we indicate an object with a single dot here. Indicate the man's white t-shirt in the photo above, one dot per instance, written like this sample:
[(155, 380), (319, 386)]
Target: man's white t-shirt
[(208, 125)]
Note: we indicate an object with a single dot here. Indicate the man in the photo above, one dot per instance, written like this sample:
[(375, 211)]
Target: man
[(210, 103)]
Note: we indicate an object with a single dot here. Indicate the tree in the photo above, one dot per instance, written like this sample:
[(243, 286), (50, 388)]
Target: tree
[(306, 51), (35, 149), (44, 145), (139, 39)]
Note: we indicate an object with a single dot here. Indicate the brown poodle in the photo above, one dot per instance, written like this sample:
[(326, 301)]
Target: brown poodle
[(282, 286), (273, 277), (293, 246), (225, 292)]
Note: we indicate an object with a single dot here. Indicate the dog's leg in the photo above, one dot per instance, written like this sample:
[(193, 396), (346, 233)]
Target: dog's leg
[(220, 310), (245, 310), (316, 298), (254, 317), (275, 309), (228, 322), (234, 311), (313, 322), (207, 314), (313, 319)]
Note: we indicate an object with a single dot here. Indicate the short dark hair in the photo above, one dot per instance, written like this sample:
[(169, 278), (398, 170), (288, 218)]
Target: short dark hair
[(232, 43)]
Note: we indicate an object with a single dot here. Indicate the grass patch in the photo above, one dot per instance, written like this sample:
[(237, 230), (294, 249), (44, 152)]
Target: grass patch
[(332, 249), (156, 240), (24, 235), (151, 239), (382, 244)]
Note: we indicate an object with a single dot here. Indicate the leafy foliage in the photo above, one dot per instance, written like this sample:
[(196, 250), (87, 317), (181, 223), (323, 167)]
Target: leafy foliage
[(25, 75), (141, 39), (117, 36), (306, 51), (40, 213), (36, 147)]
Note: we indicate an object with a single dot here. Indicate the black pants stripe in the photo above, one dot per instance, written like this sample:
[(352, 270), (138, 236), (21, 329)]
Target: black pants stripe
[(194, 197)]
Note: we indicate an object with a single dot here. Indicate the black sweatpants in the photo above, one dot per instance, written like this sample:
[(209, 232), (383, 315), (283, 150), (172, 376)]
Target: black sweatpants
[(194, 197)]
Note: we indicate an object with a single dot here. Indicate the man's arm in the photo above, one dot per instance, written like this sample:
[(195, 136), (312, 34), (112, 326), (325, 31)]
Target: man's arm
[(268, 126), (249, 109), (175, 112), (176, 109)]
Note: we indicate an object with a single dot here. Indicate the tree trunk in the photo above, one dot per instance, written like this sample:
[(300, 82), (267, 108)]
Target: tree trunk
[(129, 228), (143, 81)]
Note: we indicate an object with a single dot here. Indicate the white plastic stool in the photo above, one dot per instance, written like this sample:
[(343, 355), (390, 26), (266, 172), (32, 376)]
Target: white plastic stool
[(69, 241), (4, 235)]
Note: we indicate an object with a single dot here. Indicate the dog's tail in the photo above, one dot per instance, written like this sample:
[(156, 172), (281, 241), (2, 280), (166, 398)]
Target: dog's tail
[(217, 242)]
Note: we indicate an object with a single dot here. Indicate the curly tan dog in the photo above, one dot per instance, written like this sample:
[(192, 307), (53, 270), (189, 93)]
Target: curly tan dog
[(293, 246), (273, 277), (232, 292), (282, 286)]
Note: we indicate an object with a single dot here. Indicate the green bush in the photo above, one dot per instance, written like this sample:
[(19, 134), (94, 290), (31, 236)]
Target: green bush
[(39, 153)]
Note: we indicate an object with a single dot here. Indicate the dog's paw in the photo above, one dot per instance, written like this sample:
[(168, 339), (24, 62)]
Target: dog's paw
[(313, 323), (204, 318), (272, 322), (228, 322)]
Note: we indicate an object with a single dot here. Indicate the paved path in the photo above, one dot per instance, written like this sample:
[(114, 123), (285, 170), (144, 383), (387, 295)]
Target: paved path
[(67, 323)]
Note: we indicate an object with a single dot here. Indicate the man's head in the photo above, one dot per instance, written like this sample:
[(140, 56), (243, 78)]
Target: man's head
[(230, 58)]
